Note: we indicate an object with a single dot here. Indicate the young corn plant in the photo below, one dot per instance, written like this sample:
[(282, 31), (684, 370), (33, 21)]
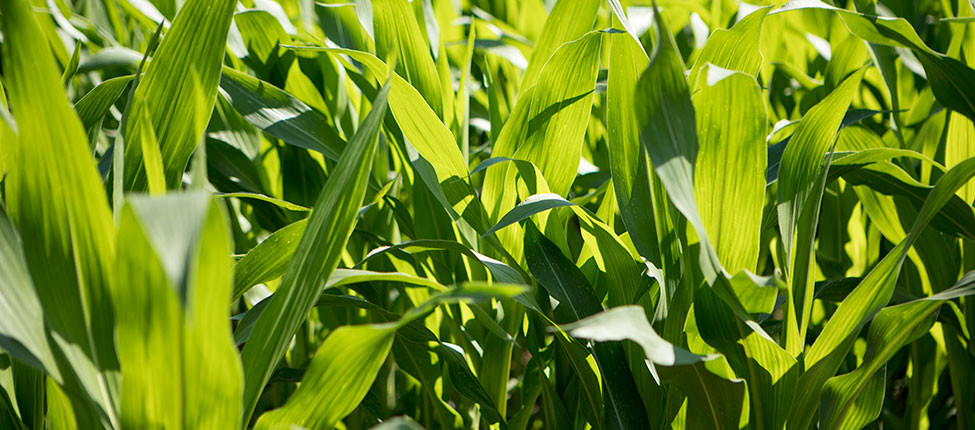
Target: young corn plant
[(607, 214)]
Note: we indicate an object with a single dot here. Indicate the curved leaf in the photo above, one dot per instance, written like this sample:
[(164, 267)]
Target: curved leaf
[(892, 329), (802, 180), (56, 202), (22, 333), (630, 323), (179, 108), (280, 114), (316, 256), (874, 291), (952, 82), (563, 281)]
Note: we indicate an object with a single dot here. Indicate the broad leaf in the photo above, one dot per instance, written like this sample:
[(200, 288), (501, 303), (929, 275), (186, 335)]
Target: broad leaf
[(56, 201), (179, 366)]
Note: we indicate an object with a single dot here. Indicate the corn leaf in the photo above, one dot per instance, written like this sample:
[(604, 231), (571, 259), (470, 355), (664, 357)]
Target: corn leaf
[(891, 329), (316, 256), (668, 131), (736, 48), (22, 334), (729, 177), (770, 371), (563, 281), (398, 37), (546, 129), (568, 21), (430, 137), (350, 359), (95, 105), (824, 357), (628, 159), (951, 80), (56, 202), (714, 402), (179, 366), (269, 259), (801, 186), (630, 323), (185, 70), (280, 114)]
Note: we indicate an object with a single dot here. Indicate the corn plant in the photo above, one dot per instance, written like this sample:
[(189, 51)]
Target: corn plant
[(607, 214)]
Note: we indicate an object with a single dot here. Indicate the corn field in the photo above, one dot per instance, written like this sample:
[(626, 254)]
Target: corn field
[(490, 214)]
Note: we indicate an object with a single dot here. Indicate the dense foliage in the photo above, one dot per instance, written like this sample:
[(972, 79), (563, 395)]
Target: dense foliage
[(503, 214)]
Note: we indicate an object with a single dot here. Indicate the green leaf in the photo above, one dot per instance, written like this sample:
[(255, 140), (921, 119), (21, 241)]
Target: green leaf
[(399, 40), (623, 273), (555, 414), (952, 82), (280, 114), (22, 332), (337, 379), (961, 372), (668, 131), (346, 364), (109, 57), (340, 277), (712, 401), (94, 105), (340, 23), (502, 272), (735, 49), (569, 20), (642, 200), (823, 359), (546, 129), (463, 379), (729, 177), (630, 323), (801, 185), (277, 202), (876, 288), (426, 133), (262, 34), (871, 168), (179, 365), (269, 259), (530, 206), (563, 281), (56, 201), (149, 147), (179, 89), (627, 157), (769, 370), (954, 218), (9, 415), (959, 146), (316, 256), (352, 276), (398, 423), (551, 135), (892, 329)]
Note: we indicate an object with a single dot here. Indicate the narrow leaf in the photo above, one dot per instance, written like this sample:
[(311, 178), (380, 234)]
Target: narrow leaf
[(316, 256)]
